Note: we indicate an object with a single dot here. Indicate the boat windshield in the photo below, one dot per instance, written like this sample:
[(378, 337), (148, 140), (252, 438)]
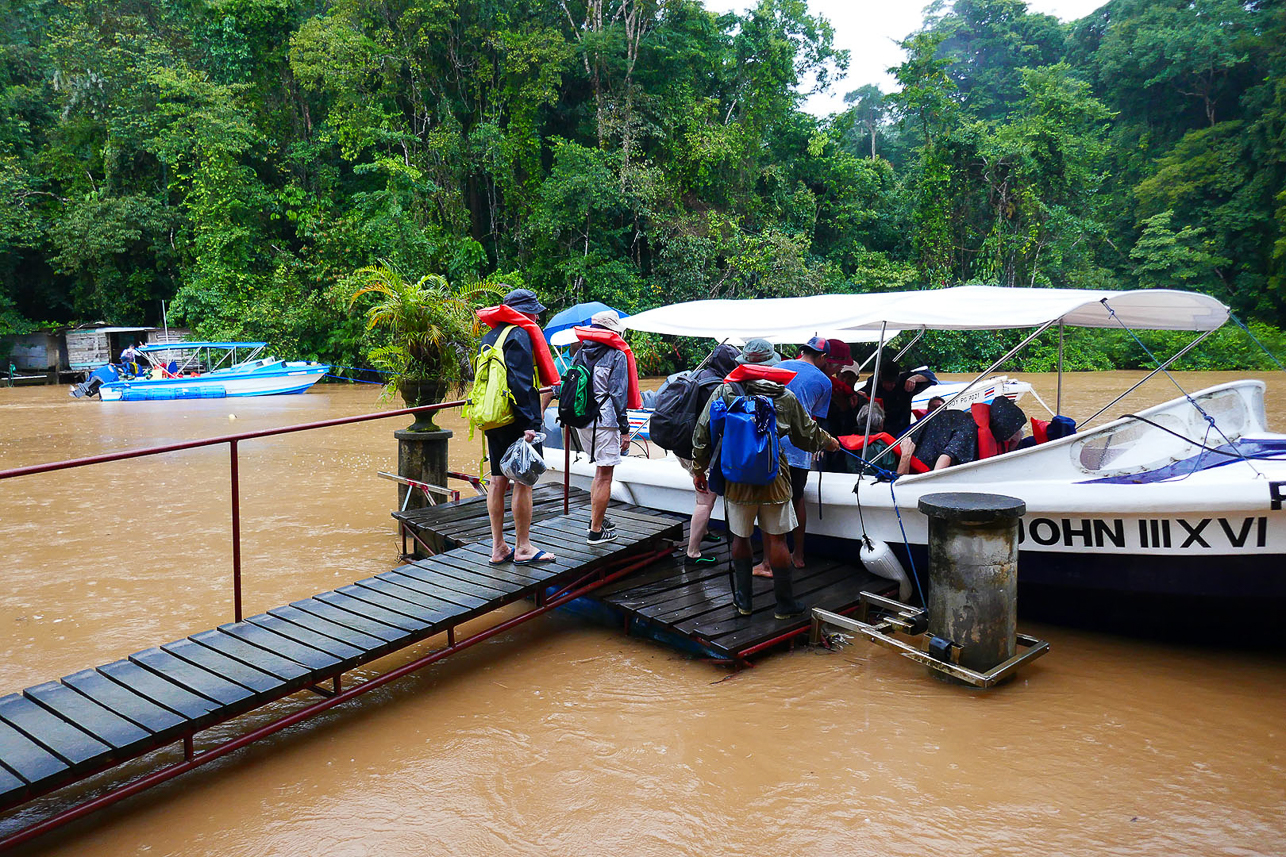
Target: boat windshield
[(1168, 434)]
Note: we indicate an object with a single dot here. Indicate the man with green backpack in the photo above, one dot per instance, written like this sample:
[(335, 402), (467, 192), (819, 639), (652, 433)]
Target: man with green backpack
[(504, 402)]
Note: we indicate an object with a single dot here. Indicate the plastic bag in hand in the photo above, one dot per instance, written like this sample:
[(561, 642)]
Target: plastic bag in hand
[(522, 463)]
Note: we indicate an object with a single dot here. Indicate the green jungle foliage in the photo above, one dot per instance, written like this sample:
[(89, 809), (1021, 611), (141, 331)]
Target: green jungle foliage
[(243, 159)]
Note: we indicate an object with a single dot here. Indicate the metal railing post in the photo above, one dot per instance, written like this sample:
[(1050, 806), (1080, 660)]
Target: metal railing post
[(236, 535)]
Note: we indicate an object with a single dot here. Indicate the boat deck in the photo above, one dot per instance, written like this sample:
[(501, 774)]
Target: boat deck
[(691, 611), (62, 731)]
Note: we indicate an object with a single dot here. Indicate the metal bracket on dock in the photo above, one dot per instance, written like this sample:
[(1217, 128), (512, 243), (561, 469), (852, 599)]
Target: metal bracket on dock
[(942, 655)]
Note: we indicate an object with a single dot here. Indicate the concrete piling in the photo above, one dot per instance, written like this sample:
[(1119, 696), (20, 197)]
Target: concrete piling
[(973, 575), (422, 456)]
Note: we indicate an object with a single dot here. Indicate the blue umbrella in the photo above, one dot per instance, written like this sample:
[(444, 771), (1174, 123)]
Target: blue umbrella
[(574, 316)]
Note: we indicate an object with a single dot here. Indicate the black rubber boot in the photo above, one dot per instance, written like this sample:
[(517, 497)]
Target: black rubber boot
[(783, 586), (742, 582)]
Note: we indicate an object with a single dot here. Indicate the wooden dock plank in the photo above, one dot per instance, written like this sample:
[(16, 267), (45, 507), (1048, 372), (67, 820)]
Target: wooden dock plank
[(340, 643), (191, 677), (137, 709), (427, 615), (255, 633), (105, 725), (273, 664), (12, 788), (28, 759), (160, 690), (65, 740), (452, 597), (340, 616), (231, 669), (443, 609)]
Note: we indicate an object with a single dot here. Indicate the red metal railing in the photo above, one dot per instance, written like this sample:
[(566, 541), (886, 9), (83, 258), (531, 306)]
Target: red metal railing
[(231, 440)]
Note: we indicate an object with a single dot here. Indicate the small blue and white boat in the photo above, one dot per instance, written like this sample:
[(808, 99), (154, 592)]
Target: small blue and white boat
[(197, 370)]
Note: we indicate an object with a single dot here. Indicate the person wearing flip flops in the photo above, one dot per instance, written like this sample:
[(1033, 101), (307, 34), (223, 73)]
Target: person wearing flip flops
[(520, 366), (607, 439)]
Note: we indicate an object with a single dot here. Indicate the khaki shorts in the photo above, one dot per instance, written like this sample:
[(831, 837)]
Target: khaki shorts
[(605, 441), (774, 518)]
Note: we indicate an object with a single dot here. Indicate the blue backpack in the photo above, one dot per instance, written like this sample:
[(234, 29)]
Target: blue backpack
[(747, 447)]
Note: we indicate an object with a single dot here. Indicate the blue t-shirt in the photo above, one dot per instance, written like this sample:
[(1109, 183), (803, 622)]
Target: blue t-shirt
[(813, 389)]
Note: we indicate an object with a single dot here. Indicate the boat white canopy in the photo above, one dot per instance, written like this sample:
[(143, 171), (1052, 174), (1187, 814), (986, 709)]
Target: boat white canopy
[(859, 318)]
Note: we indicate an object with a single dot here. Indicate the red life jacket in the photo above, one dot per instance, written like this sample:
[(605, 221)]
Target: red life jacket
[(496, 316), (1040, 430), (613, 340), (753, 372), (857, 442), (987, 446)]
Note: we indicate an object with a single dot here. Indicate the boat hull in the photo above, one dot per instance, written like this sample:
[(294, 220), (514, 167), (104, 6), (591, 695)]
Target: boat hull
[(215, 385), (1112, 513)]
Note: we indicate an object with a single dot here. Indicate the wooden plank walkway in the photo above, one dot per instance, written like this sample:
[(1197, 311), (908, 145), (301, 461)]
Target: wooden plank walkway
[(663, 601), (61, 731)]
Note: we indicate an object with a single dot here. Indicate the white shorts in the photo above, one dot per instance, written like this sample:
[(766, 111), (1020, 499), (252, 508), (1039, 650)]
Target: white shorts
[(605, 441), (774, 518)]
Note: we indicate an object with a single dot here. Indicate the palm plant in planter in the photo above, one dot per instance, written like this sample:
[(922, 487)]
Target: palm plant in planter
[(431, 328)]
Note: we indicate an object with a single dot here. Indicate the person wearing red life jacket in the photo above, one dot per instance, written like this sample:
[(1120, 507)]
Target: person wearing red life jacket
[(769, 504), (528, 364), (615, 389)]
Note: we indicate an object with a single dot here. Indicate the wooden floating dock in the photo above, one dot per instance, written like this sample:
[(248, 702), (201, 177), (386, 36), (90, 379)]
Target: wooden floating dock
[(62, 731), (689, 610)]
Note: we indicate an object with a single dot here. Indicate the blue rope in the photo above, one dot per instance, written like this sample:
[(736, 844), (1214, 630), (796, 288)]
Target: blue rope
[(361, 369), (915, 575), (892, 477), (1255, 340), (354, 380)]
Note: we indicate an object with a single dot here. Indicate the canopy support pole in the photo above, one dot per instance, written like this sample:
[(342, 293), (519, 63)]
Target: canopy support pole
[(875, 381), (1058, 402), (1160, 368), (985, 372), (907, 347)]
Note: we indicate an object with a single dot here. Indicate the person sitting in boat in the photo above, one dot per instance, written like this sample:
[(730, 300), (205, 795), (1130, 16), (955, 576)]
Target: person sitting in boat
[(895, 392), (950, 438), (1005, 422), (933, 404), (768, 504), (876, 447)]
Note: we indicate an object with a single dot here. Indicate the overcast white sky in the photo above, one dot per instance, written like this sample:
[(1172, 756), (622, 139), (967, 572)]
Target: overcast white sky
[(871, 29)]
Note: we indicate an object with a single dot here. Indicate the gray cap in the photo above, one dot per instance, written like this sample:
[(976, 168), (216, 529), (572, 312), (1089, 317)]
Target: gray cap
[(759, 352), (524, 300)]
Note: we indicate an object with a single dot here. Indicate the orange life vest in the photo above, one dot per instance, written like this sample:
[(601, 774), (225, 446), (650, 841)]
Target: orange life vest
[(752, 372), (613, 340), (857, 442), (495, 316)]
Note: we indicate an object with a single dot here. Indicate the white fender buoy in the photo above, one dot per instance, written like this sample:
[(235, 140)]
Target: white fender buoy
[(879, 560), (621, 492)]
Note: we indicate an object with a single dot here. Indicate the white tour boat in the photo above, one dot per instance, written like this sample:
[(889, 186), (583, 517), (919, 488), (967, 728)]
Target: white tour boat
[(1183, 499)]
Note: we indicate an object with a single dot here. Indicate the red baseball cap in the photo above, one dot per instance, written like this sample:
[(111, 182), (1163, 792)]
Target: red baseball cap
[(839, 354)]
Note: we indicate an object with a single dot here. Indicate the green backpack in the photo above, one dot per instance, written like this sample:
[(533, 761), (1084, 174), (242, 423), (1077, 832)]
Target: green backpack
[(489, 404)]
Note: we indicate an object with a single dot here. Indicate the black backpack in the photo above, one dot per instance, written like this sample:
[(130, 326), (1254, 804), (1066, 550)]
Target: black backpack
[(577, 405), (677, 408)]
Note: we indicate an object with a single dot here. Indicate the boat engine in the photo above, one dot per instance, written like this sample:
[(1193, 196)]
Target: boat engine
[(96, 379)]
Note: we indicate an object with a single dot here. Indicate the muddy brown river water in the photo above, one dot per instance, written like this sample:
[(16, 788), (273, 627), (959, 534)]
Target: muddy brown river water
[(562, 738)]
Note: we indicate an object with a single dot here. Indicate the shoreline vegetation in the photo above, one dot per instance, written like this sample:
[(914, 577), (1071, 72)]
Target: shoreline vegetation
[(244, 160)]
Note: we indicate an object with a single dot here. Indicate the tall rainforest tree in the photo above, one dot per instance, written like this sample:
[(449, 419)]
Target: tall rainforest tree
[(242, 159)]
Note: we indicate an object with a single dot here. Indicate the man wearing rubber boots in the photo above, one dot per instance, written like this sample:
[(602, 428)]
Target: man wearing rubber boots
[(769, 504)]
